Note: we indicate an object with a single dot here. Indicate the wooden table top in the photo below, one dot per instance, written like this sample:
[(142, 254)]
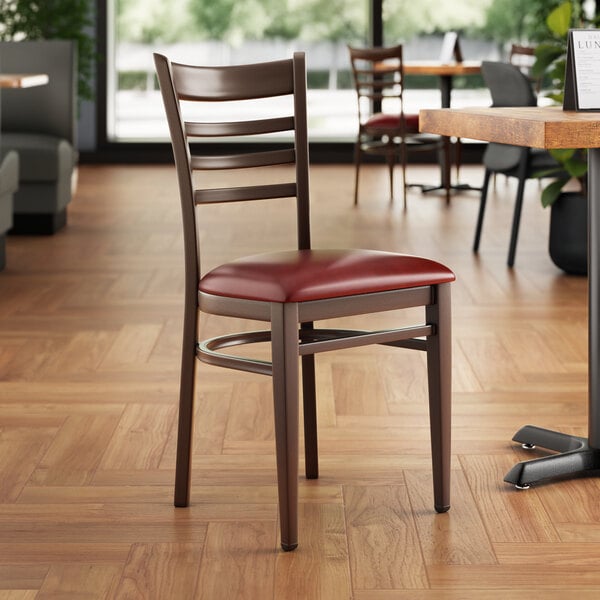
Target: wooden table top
[(533, 126), (21, 80), (432, 67)]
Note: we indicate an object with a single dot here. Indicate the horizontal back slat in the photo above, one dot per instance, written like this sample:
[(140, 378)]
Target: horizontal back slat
[(255, 192), (233, 82), (241, 161), (239, 127)]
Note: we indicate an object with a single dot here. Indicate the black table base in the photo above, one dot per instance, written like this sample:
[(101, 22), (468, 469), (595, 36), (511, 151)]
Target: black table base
[(574, 457)]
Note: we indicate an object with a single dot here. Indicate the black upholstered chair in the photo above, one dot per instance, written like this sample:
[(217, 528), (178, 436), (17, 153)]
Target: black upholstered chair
[(509, 87)]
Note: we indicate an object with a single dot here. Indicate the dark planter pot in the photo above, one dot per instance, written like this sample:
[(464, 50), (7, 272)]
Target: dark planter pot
[(568, 233)]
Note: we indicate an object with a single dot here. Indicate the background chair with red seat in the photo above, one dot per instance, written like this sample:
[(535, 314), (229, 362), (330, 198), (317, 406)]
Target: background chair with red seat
[(384, 128), (290, 289)]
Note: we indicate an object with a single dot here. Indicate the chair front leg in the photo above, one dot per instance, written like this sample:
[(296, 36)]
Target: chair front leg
[(284, 349), (183, 462), (439, 368), (481, 214)]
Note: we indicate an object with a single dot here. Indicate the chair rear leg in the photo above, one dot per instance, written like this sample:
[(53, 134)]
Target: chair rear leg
[(183, 463), (284, 349), (311, 449), (439, 370), (390, 163), (403, 159), (357, 157), (458, 157), (514, 233), (482, 203)]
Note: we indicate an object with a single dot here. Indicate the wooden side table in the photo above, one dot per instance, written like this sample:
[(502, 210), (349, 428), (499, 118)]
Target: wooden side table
[(17, 80), (445, 72), (548, 127)]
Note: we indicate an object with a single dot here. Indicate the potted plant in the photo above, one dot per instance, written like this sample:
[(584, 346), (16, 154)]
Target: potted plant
[(567, 194), (59, 19)]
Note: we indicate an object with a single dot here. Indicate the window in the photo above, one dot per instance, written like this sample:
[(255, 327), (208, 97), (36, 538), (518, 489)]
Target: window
[(236, 31), (229, 32)]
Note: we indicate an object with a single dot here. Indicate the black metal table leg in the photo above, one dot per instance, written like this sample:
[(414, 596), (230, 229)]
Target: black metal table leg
[(446, 184), (575, 455)]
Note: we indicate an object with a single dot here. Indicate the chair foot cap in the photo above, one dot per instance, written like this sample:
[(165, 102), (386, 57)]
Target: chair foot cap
[(289, 547), (442, 509)]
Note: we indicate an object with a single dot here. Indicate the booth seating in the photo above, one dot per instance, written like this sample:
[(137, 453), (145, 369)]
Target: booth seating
[(40, 124), (9, 182)]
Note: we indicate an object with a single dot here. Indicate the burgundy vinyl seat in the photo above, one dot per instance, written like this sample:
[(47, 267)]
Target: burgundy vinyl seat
[(305, 275), (383, 121), (291, 289)]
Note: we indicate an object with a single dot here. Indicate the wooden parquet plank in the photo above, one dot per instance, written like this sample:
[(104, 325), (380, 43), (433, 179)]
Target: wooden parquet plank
[(508, 515), (85, 582), (321, 569), (28, 577), (21, 449), (140, 438), (20, 553), (18, 594), (380, 530), (480, 593), (456, 538), (134, 344), (238, 561), (160, 571), (513, 578), (77, 450)]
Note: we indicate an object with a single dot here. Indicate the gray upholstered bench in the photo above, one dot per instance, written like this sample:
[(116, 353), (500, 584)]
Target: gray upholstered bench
[(40, 124), (9, 182)]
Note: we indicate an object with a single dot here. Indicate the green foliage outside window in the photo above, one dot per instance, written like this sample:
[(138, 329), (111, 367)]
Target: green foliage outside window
[(54, 19), (521, 20)]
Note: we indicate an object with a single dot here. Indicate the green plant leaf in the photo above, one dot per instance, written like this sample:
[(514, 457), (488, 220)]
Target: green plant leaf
[(545, 54), (562, 154), (551, 192), (559, 20), (554, 172), (576, 167)]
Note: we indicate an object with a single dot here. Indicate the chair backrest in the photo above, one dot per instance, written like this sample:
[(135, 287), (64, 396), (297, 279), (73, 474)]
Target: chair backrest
[(507, 84), (378, 79), (508, 87), (523, 57), (200, 87), (48, 109)]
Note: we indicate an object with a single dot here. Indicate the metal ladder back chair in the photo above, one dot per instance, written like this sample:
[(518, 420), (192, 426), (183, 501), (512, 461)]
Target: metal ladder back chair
[(384, 128), (509, 87), (523, 57), (291, 289)]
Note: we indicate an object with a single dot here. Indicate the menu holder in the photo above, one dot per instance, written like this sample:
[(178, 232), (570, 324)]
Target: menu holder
[(582, 75), (450, 48)]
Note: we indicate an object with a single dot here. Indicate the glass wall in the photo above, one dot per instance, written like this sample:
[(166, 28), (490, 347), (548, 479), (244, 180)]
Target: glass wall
[(230, 32), (238, 31)]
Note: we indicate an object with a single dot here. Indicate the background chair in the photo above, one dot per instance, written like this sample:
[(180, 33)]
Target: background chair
[(509, 87), (290, 289), (40, 124), (523, 57), (384, 128)]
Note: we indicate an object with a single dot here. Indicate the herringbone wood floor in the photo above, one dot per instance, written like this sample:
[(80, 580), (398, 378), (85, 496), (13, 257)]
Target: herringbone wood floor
[(90, 323)]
